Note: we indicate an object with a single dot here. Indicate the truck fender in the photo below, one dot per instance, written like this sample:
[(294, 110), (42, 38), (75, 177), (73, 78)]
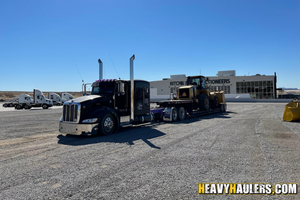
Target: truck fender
[(99, 113)]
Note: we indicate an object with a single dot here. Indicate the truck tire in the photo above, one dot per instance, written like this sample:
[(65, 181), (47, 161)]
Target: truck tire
[(181, 114), (107, 125), (19, 107), (45, 106), (174, 114), (11, 105), (214, 103), (5, 105), (27, 106), (203, 102)]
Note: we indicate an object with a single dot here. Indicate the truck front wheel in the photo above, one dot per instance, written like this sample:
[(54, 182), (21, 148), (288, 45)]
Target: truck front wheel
[(45, 106), (107, 124)]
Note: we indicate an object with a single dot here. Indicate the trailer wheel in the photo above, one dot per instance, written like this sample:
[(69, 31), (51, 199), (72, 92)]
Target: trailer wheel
[(174, 114), (181, 114), (5, 105), (214, 102), (11, 105), (203, 102), (107, 125), (45, 106)]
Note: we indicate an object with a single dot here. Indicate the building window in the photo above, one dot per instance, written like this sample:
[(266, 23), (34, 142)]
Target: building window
[(256, 89)]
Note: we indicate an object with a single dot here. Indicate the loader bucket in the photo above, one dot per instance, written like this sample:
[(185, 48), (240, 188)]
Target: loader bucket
[(292, 111)]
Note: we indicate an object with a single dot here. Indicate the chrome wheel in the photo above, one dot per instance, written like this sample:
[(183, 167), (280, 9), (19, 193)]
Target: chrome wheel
[(108, 124), (181, 114), (174, 114)]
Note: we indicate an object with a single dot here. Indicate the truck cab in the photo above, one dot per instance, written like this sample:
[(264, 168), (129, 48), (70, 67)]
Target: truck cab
[(56, 99), (101, 112), (40, 100), (25, 98), (66, 96)]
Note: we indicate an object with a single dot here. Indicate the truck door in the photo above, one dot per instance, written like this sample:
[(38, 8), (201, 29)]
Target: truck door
[(141, 98), (121, 102)]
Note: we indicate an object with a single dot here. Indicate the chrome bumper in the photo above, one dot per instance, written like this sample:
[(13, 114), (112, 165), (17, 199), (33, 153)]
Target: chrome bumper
[(78, 129)]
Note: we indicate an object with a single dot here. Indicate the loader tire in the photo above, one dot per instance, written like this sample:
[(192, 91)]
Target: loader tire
[(203, 102), (214, 103)]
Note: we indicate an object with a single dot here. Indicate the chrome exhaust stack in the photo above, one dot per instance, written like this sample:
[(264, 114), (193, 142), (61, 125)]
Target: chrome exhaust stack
[(100, 69), (132, 88)]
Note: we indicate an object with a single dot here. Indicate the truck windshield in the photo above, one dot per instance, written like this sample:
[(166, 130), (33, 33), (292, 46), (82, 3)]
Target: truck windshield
[(103, 90)]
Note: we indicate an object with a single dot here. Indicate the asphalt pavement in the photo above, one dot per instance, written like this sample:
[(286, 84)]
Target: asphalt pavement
[(248, 144)]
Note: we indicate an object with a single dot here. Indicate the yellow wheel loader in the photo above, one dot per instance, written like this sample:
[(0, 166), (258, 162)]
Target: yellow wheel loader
[(197, 91)]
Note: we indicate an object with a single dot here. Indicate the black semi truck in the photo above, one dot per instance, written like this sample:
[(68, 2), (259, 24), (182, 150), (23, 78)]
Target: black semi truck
[(117, 103)]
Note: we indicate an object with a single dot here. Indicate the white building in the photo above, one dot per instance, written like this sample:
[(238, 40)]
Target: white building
[(257, 86)]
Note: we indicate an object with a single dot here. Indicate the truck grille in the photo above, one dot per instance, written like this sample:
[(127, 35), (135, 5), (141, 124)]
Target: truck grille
[(71, 112)]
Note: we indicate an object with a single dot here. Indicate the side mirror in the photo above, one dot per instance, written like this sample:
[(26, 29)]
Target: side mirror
[(121, 88)]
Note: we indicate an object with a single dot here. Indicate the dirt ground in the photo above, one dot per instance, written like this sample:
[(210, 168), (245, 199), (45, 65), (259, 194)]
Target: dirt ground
[(8, 95)]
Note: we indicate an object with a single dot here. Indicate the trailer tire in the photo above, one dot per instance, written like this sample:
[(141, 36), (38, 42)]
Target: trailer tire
[(107, 125), (5, 105), (174, 114), (11, 105), (45, 106), (181, 114), (203, 102), (214, 103)]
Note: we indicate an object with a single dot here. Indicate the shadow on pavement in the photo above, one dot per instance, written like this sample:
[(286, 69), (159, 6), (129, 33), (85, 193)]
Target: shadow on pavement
[(130, 134), (125, 135)]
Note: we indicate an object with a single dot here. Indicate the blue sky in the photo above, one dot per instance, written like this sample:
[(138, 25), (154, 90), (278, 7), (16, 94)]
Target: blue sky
[(42, 43)]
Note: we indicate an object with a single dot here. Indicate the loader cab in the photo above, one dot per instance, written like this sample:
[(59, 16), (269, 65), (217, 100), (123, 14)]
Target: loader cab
[(198, 81), (196, 85)]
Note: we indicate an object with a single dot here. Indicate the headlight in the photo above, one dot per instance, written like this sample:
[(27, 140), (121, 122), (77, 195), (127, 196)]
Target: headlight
[(90, 120), (61, 119)]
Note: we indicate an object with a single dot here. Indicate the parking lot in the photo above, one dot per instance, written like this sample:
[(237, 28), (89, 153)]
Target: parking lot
[(248, 144)]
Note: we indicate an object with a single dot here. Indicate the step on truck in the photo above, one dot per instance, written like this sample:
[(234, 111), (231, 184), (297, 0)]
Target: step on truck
[(118, 103), (39, 100)]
